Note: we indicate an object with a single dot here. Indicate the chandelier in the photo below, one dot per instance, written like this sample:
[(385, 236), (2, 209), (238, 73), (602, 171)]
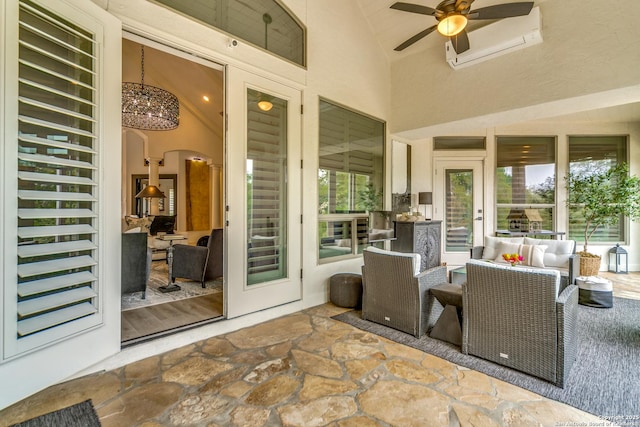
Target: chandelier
[(148, 107)]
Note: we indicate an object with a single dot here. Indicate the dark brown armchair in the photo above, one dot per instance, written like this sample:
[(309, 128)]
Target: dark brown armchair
[(201, 262)]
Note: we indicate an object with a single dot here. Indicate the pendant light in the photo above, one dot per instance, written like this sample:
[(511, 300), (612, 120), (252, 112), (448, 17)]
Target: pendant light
[(148, 107)]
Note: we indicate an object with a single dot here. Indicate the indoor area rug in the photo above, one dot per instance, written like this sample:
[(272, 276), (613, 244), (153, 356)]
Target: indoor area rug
[(79, 415), (604, 380), (160, 277)]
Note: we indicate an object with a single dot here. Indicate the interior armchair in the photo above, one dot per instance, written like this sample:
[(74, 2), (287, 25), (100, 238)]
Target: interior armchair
[(396, 293), (201, 262)]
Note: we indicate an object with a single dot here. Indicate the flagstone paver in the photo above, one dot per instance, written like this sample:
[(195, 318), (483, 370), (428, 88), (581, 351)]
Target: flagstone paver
[(299, 370)]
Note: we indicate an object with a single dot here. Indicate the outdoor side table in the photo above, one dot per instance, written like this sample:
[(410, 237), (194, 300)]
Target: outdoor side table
[(345, 290), (448, 326)]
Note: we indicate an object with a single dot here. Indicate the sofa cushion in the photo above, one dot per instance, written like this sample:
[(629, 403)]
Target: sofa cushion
[(414, 257), (558, 251), (490, 245)]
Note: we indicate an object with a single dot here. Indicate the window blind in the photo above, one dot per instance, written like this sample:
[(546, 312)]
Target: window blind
[(266, 183), (57, 172)]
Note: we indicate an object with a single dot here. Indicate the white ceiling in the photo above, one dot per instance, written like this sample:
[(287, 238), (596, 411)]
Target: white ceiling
[(392, 27)]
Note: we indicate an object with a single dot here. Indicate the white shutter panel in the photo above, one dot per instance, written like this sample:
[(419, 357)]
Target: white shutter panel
[(267, 150), (57, 180)]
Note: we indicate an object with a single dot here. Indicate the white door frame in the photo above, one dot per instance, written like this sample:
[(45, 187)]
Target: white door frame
[(476, 164)]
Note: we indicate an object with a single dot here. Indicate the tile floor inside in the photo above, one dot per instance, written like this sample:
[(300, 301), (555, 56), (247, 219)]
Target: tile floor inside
[(304, 369)]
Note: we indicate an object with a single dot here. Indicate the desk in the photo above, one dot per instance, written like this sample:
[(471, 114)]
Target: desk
[(554, 234), (171, 287)]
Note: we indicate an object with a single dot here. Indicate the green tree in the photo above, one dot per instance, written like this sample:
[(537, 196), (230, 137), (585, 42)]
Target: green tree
[(603, 194)]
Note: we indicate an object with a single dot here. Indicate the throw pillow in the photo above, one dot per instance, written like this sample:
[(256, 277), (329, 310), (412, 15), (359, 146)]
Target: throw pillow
[(491, 245), (533, 255), (143, 223), (506, 248)]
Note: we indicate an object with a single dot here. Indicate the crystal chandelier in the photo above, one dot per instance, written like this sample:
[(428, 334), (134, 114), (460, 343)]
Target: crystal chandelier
[(148, 107)]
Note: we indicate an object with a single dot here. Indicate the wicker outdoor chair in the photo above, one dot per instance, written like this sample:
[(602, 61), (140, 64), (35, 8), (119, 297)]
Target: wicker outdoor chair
[(395, 295), (515, 317)]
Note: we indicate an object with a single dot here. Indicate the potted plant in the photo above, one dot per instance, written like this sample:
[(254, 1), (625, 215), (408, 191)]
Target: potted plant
[(603, 194)]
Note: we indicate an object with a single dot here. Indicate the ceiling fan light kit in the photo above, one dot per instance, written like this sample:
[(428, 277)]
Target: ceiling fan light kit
[(452, 24), (452, 17)]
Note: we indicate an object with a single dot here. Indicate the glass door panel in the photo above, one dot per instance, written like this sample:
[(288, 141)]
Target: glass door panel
[(458, 222), (266, 188), (458, 201)]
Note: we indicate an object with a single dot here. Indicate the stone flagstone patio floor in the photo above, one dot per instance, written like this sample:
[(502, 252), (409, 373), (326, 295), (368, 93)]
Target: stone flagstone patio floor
[(304, 369)]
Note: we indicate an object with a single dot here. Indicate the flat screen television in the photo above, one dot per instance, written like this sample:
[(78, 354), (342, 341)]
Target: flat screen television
[(162, 224)]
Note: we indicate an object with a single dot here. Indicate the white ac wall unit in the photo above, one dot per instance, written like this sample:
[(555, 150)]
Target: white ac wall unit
[(499, 38)]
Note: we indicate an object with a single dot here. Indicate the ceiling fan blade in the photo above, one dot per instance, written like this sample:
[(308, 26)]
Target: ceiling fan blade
[(413, 8), (412, 40), (460, 42), (500, 11)]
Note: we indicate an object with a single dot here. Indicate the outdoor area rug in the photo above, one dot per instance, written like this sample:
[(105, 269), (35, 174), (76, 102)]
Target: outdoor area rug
[(79, 415), (159, 276), (604, 380)]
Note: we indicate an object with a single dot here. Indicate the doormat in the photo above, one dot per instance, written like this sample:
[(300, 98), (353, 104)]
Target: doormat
[(79, 415)]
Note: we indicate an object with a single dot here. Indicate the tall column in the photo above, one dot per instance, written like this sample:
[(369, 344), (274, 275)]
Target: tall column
[(154, 179)]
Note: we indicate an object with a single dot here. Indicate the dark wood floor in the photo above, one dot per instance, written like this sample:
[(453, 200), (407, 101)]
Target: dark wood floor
[(141, 323)]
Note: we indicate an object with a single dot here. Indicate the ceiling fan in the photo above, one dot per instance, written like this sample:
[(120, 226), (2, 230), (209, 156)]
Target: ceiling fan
[(452, 16)]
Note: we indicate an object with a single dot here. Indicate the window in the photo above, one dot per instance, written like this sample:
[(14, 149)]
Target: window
[(459, 143), (263, 23), (589, 154), (525, 183), (350, 178)]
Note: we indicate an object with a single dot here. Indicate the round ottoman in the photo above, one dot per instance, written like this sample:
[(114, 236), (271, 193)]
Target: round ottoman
[(595, 291), (345, 290)]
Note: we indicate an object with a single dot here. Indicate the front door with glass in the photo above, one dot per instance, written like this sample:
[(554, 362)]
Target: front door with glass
[(459, 205)]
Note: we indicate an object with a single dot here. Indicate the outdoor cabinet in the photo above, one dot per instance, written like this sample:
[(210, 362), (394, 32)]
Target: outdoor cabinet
[(420, 237)]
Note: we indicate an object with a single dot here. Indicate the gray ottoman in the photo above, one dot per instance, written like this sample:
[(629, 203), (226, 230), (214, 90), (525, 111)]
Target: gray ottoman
[(595, 291), (345, 290)]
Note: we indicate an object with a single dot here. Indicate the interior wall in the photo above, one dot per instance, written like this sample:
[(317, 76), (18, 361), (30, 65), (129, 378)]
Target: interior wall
[(588, 59)]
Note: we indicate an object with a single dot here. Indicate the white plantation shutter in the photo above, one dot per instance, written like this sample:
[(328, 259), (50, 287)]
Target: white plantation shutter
[(57, 181), (267, 152)]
